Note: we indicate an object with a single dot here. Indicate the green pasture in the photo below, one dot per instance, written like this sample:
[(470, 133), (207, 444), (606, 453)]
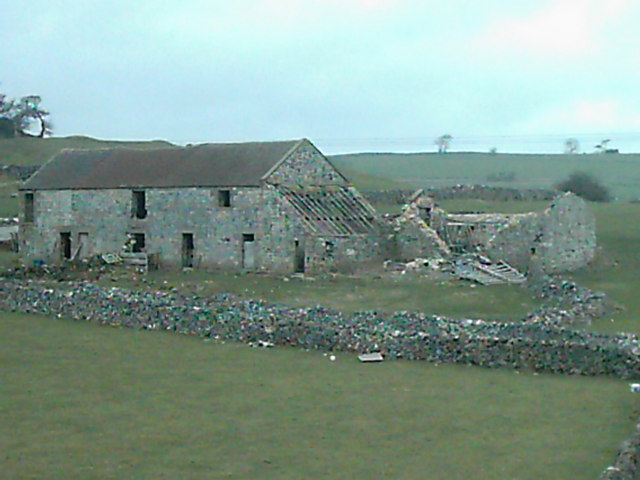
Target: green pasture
[(80, 401), (347, 294), (619, 172)]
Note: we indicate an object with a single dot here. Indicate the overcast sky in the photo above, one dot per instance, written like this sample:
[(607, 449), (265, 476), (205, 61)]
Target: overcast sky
[(351, 75)]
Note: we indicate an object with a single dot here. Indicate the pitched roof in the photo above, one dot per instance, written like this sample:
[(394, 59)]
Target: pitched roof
[(212, 164)]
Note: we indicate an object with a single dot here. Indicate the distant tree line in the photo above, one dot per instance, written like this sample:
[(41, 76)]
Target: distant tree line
[(18, 116)]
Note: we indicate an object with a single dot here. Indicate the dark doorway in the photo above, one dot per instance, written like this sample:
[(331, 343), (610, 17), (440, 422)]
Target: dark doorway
[(138, 243), (187, 250), (298, 258), (65, 245), (28, 207), (248, 251)]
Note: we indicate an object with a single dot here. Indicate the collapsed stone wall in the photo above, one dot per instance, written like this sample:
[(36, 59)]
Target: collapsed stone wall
[(561, 238), (479, 192), (413, 336)]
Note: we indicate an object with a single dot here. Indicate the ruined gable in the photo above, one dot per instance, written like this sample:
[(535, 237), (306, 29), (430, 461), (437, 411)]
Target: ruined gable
[(568, 238), (561, 238), (305, 165)]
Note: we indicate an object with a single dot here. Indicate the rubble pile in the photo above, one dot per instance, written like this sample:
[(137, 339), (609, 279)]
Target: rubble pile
[(412, 336), (566, 303)]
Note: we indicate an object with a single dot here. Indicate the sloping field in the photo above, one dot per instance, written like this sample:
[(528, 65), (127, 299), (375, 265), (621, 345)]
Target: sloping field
[(81, 401), (36, 151), (619, 172)]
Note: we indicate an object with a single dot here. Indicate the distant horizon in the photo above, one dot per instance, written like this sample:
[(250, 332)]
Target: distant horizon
[(628, 143)]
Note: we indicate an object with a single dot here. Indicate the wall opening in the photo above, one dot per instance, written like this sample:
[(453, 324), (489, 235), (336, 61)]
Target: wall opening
[(139, 243), (139, 204), (299, 258), (187, 250), (28, 208), (224, 198), (83, 245), (248, 251), (65, 245)]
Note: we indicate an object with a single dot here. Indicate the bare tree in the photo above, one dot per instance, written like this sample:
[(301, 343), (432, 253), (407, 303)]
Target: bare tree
[(443, 142), (571, 146), (16, 117)]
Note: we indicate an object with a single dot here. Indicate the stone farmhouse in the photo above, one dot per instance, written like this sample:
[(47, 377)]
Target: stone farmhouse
[(278, 207)]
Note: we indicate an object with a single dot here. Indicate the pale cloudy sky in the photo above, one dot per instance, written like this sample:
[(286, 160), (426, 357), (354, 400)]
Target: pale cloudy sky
[(351, 75)]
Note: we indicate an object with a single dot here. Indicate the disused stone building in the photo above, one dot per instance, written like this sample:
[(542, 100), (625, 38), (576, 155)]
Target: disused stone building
[(263, 206), (560, 238)]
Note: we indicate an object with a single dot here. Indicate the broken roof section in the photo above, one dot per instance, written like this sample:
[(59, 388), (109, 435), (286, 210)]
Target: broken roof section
[(206, 165), (331, 209)]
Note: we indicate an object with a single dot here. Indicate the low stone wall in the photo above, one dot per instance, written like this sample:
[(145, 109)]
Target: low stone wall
[(627, 464), (480, 192), (413, 336)]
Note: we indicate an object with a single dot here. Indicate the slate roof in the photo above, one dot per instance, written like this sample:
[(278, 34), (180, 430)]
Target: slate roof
[(206, 165)]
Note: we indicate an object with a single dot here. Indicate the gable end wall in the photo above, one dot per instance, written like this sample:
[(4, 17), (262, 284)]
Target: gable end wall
[(306, 166)]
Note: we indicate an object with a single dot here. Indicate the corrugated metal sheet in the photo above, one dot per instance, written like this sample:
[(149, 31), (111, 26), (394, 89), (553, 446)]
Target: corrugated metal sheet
[(214, 164)]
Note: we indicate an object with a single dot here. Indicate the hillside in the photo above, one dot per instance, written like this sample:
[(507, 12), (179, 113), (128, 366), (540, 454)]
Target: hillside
[(36, 151), (619, 172)]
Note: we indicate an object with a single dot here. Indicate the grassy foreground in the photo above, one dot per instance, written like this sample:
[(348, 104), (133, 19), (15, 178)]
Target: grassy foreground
[(81, 401)]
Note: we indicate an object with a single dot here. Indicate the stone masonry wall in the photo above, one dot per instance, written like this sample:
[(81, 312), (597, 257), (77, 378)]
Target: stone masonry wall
[(562, 238), (306, 166), (105, 215)]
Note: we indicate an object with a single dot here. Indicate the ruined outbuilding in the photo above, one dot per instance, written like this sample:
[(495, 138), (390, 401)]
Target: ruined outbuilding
[(560, 238), (278, 207)]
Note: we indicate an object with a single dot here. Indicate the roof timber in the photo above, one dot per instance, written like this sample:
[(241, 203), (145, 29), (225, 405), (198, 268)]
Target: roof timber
[(331, 210)]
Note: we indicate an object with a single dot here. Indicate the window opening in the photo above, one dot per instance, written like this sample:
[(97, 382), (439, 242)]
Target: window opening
[(139, 205), (224, 198)]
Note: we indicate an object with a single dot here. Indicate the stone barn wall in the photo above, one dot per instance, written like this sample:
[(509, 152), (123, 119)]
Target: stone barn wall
[(559, 239)]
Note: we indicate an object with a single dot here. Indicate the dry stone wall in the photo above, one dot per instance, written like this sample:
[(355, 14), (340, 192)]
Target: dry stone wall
[(480, 192), (412, 336)]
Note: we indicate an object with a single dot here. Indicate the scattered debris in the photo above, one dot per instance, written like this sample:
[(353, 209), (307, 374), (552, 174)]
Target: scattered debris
[(371, 357)]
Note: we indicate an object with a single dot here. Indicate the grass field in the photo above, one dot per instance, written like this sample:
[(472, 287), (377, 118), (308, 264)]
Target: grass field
[(348, 294), (619, 172), (81, 401)]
